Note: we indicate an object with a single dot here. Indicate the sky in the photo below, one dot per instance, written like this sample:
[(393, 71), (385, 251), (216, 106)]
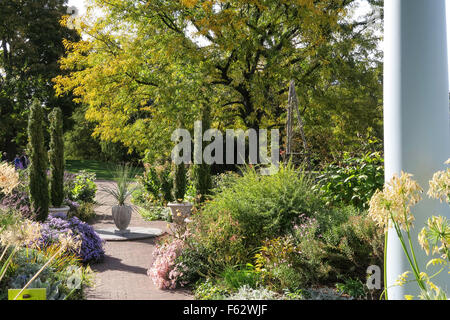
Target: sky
[(81, 7)]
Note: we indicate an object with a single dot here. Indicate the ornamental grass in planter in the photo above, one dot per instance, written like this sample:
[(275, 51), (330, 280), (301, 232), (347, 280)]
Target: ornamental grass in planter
[(121, 212)]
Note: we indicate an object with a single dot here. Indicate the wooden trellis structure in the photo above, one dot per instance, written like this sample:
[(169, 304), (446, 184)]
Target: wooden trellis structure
[(293, 104)]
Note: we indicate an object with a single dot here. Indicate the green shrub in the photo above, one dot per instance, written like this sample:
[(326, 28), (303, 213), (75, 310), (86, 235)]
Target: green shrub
[(224, 180), (155, 186), (202, 182), (192, 263), (166, 182), (352, 246), (234, 278), (150, 185), (84, 188), (155, 213), (264, 206), (287, 277), (354, 288), (342, 245), (210, 290), (201, 173), (353, 182), (221, 241), (139, 196), (285, 263), (85, 211)]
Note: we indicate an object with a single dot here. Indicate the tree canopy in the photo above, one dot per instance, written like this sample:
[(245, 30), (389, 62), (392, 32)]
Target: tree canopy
[(30, 46), (142, 65)]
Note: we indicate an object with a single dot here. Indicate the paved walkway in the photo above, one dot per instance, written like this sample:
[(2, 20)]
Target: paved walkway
[(122, 275)]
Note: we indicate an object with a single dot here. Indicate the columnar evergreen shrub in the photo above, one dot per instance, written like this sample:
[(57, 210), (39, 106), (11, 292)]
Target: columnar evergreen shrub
[(202, 180), (38, 168), (179, 187), (201, 173), (56, 156)]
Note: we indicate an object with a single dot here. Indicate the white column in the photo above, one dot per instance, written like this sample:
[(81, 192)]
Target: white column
[(416, 114)]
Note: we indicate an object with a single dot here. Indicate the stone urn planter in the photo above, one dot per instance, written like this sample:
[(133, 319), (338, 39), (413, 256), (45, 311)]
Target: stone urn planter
[(120, 190), (180, 211), (122, 217), (58, 212)]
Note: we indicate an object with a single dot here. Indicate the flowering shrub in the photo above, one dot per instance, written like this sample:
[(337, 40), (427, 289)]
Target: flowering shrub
[(91, 248), (164, 271)]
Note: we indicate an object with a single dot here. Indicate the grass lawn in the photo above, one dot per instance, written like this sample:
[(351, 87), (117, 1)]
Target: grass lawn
[(103, 170)]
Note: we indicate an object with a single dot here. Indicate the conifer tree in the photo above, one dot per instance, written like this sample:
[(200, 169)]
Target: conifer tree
[(179, 187), (38, 168), (201, 173), (56, 155)]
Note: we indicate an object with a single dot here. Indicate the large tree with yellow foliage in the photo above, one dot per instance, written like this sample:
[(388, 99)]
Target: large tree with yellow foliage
[(144, 64)]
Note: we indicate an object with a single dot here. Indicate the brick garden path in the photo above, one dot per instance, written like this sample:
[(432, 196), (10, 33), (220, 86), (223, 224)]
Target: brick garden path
[(122, 275)]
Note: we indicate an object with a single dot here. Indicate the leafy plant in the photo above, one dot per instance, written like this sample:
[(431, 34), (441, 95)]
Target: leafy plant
[(151, 184), (353, 182), (84, 187), (192, 263), (156, 213), (353, 288), (210, 290), (352, 245), (220, 240), (236, 277), (83, 211), (52, 287)]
